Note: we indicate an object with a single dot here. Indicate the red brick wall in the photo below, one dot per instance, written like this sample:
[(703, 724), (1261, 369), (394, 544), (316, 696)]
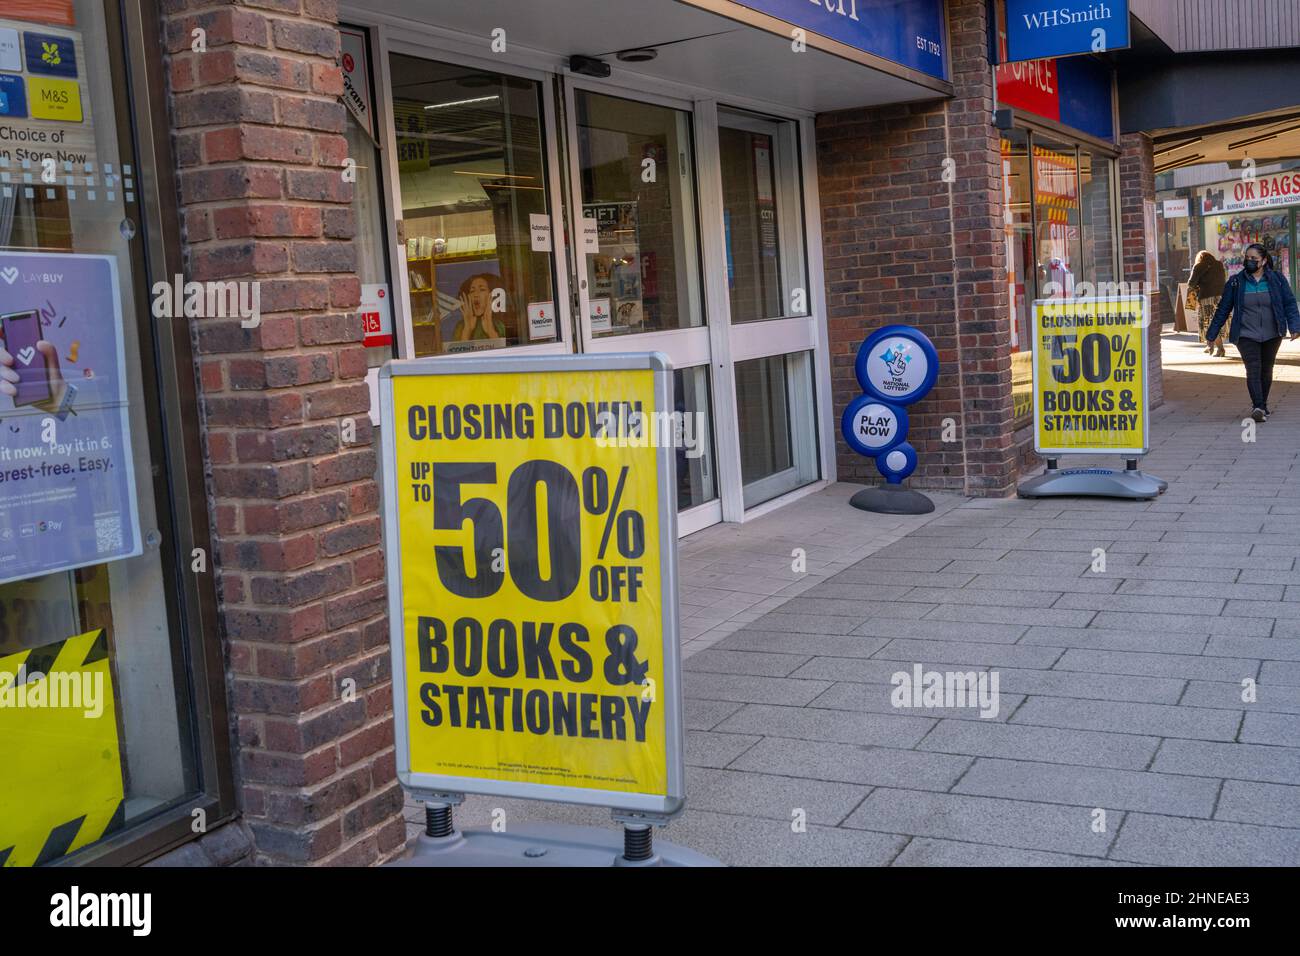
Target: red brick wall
[(900, 242), (294, 504), (1137, 184)]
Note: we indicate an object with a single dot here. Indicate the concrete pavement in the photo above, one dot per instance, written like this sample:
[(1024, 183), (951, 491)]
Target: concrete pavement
[(1148, 713)]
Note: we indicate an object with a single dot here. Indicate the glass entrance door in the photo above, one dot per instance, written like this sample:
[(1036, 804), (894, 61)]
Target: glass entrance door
[(636, 238)]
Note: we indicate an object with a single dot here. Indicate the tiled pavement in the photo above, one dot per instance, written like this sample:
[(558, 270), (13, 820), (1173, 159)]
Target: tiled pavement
[(1120, 691)]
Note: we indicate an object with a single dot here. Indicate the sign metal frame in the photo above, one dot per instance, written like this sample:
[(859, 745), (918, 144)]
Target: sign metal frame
[(438, 786), (1036, 345)]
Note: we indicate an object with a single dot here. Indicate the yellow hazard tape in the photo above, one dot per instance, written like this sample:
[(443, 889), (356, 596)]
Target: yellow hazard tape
[(60, 755)]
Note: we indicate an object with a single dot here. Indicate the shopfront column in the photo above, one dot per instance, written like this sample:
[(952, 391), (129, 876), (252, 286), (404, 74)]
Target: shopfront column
[(265, 200)]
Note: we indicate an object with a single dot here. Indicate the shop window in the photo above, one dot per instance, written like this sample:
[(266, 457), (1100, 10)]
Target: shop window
[(1098, 228), (471, 158), (760, 204), (1060, 234), (1056, 217), (1022, 278), (638, 194), (96, 729)]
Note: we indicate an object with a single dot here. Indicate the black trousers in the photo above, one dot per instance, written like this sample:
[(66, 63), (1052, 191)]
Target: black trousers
[(1259, 358)]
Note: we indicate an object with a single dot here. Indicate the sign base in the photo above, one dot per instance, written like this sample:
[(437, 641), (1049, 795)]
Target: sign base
[(1092, 482), (892, 500), (542, 845)]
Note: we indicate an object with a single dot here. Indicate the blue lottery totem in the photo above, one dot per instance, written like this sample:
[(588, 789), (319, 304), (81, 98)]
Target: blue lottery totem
[(896, 366)]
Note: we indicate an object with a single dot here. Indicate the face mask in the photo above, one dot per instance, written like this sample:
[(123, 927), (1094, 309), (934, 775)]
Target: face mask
[(1252, 267)]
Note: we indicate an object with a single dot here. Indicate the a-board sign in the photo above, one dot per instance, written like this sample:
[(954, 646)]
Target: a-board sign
[(1090, 375), (530, 522)]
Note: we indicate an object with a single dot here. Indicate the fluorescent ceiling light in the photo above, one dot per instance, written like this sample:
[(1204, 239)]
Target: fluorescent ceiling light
[(1262, 136), (1178, 146), (481, 175), (476, 99), (1185, 161)]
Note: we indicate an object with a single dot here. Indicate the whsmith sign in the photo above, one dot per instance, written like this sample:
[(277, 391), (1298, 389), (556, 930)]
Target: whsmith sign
[(1040, 28)]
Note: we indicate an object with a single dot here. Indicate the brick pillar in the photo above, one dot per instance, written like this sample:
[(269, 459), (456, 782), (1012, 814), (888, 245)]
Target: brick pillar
[(294, 501), (1137, 185), (902, 245)]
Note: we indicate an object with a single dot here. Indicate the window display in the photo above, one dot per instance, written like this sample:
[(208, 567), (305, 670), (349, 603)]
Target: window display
[(1060, 233), (1227, 236), (1056, 217), (1022, 286)]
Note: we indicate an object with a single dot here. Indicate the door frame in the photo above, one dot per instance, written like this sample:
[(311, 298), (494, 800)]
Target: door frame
[(740, 342), (391, 33)]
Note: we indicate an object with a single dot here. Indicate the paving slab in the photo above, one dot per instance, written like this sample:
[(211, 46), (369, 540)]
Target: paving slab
[(1046, 744), (706, 748), (1095, 786), (1197, 723), (899, 729), (925, 851), (1176, 841), (1268, 804), (1239, 761), (879, 699), (1008, 823), (853, 763)]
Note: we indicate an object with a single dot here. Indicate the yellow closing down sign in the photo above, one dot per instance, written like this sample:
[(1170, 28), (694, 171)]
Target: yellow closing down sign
[(529, 549)]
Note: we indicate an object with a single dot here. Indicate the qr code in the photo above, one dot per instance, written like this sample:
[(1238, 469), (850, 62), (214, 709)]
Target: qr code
[(108, 534)]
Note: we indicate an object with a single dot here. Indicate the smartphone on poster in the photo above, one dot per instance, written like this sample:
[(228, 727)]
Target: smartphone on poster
[(22, 330)]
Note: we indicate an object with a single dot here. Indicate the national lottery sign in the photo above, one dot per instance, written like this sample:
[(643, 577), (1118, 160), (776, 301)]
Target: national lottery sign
[(531, 541), (1090, 375)]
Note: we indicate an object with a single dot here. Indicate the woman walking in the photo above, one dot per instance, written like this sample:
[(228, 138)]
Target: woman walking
[(1207, 282), (1263, 309)]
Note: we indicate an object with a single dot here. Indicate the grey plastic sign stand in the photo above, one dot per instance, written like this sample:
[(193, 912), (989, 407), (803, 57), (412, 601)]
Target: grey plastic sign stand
[(639, 812), (1092, 482), (1057, 482), (541, 845)]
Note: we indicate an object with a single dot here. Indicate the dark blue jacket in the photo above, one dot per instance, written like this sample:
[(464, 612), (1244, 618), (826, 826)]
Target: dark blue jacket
[(1285, 312)]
